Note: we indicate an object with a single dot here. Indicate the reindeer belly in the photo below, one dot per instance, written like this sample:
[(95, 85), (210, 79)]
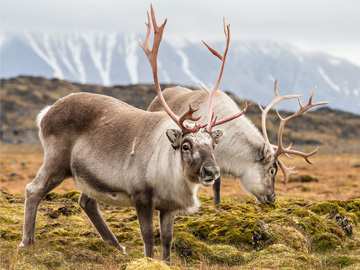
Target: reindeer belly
[(95, 185), (116, 198)]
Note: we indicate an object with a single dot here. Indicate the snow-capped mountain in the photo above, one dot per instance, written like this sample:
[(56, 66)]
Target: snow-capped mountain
[(117, 59)]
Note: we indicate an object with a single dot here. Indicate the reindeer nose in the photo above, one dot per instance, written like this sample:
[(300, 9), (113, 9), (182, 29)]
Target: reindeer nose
[(271, 198), (211, 172)]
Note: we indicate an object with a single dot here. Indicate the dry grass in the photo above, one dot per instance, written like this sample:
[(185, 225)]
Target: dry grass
[(338, 177)]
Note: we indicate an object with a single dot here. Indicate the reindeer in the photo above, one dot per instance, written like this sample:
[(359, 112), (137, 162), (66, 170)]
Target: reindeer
[(244, 152), (120, 155)]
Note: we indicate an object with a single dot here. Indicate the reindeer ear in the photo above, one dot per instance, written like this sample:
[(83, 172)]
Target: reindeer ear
[(264, 153), (218, 135), (174, 137)]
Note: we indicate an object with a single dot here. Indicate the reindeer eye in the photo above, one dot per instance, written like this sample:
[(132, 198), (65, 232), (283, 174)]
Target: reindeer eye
[(186, 147), (272, 171)]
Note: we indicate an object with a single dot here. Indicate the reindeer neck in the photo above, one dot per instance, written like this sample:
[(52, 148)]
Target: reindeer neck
[(240, 146)]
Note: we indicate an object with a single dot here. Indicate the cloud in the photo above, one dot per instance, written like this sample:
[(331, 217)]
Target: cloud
[(309, 24)]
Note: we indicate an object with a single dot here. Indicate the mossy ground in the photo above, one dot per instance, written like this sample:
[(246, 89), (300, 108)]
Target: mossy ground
[(237, 234)]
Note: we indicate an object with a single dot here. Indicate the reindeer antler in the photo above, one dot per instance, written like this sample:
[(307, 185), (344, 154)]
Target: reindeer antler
[(210, 115), (279, 148), (152, 56)]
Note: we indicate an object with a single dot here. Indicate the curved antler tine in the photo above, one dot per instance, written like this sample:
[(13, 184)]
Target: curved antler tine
[(232, 117), (287, 171), (288, 148), (301, 154), (275, 88), (152, 56), (212, 92), (204, 88), (226, 28), (145, 45), (214, 52), (265, 111), (189, 116)]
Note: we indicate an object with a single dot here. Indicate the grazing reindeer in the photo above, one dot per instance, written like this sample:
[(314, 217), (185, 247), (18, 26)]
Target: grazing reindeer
[(120, 155), (244, 153)]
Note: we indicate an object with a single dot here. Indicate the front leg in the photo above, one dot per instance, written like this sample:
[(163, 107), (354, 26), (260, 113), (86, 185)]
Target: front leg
[(145, 210), (91, 208), (166, 233), (216, 188)]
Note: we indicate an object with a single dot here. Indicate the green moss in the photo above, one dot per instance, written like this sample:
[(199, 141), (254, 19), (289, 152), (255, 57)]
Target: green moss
[(342, 261), (124, 237), (326, 242), (308, 178), (7, 220), (292, 233), (289, 237), (189, 248), (9, 234), (226, 255), (353, 245), (97, 245), (146, 264), (60, 232), (279, 256), (46, 259), (352, 206), (73, 195)]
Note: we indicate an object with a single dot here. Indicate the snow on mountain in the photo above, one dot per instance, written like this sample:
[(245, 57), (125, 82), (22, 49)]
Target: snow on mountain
[(117, 59)]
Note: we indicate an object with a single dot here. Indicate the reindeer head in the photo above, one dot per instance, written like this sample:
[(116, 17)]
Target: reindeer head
[(197, 155), (259, 177), (268, 161)]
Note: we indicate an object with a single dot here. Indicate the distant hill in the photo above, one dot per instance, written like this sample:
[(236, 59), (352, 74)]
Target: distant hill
[(23, 97), (117, 59)]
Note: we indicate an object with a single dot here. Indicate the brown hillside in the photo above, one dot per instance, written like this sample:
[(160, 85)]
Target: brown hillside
[(23, 97)]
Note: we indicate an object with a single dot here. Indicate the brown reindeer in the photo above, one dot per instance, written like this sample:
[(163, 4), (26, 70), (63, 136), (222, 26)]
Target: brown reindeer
[(122, 156)]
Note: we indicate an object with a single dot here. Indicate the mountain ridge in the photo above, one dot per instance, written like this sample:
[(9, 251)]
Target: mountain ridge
[(116, 59)]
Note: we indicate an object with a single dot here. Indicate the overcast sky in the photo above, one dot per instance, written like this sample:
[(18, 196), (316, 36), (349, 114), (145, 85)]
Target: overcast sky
[(330, 26)]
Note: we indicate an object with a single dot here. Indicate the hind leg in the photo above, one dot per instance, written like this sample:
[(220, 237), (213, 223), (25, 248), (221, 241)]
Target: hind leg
[(216, 188), (46, 180), (91, 208)]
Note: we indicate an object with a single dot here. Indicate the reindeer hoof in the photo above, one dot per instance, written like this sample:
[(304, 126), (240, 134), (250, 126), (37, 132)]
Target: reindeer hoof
[(27, 242), (122, 249)]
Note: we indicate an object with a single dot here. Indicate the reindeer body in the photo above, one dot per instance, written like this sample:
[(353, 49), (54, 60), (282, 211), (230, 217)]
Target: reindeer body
[(69, 120), (120, 155), (243, 152)]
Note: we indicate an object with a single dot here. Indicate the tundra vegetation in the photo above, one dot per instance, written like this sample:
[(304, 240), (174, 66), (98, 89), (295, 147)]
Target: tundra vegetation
[(238, 233)]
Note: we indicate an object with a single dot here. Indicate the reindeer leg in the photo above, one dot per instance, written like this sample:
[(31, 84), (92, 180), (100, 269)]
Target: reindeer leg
[(216, 188), (145, 212), (91, 208), (45, 181), (166, 233)]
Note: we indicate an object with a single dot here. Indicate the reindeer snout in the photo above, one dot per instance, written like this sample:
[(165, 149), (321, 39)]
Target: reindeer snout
[(210, 172), (271, 198)]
